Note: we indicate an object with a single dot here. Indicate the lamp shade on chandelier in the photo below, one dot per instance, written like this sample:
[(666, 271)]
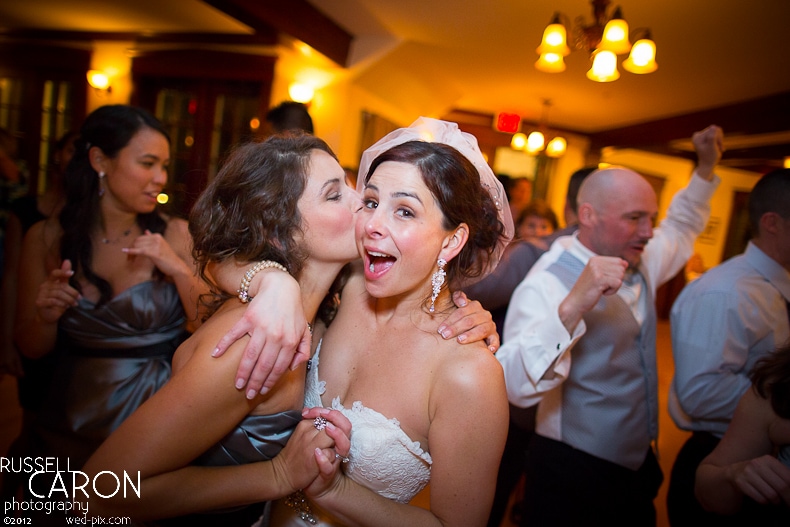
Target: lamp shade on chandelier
[(604, 39)]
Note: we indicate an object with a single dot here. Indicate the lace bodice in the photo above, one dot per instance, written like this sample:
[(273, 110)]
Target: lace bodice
[(383, 458)]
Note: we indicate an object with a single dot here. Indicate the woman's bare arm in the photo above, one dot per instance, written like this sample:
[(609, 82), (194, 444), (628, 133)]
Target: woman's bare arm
[(190, 414), (742, 464), (44, 292)]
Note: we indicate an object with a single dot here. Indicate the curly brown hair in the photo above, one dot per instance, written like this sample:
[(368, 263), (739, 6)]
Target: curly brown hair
[(249, 210)]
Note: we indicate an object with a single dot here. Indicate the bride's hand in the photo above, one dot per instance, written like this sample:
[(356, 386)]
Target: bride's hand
[(335, 424), (296, 463), (330, 460), (470, 322)]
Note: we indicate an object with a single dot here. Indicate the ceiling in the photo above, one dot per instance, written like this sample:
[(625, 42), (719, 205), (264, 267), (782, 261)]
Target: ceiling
[(719, 61)]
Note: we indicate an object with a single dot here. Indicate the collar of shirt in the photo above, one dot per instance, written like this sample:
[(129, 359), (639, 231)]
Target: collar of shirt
[(579, 250), (777, 275)]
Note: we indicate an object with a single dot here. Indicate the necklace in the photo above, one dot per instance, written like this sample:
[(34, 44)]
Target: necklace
[(126, 233)]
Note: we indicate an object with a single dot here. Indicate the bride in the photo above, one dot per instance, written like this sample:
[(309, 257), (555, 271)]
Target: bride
[(422, 409)]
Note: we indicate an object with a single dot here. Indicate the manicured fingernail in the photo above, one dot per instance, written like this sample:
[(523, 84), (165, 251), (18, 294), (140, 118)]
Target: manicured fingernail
[(251, 394), (304, 411), (214, 354), (492, 349), (264, 390), (446, 333), (239, 383), (330, 426), (461, 338)]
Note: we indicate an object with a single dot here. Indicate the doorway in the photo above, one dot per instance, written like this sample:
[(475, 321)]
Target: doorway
[(209, 102)]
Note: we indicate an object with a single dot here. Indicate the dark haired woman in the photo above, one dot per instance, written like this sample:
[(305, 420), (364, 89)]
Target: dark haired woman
[(748, 473), (110, 287)]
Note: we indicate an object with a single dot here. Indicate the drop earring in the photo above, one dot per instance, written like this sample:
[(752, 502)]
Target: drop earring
[(101, 189), (437, 280)]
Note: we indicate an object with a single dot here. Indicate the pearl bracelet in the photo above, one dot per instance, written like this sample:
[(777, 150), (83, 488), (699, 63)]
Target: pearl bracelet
[(244, 286)]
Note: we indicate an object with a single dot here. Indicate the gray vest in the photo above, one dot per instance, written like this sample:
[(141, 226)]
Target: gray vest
[(610, 399)]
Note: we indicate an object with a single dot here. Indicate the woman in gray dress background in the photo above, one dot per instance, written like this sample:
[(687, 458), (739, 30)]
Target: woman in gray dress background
[(109, 286)]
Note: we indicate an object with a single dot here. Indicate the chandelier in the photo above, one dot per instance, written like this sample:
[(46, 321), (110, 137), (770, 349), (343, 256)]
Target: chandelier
[(535, 142), (605, 38)]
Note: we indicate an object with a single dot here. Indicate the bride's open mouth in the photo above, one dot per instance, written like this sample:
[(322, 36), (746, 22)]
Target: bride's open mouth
[(378, 262)]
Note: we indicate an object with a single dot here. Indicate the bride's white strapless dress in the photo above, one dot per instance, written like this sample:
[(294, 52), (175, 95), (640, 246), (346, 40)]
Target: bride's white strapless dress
[(382, 457)]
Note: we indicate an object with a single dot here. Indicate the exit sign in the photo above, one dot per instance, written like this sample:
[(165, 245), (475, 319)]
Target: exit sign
[(508, 122)]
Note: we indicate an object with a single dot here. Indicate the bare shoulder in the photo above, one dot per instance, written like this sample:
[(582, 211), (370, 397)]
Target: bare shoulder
[(471, 368), (45, 232), (470, 381), (203, 341)]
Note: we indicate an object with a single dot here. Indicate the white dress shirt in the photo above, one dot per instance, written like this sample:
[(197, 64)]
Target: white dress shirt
[(536, 354)]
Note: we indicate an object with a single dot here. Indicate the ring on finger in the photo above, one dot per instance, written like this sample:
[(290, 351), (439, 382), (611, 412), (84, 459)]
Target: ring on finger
[(344, 459), (319, 423)]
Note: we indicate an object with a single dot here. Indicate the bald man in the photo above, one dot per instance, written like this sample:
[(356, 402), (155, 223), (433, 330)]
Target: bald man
[(579, 339)]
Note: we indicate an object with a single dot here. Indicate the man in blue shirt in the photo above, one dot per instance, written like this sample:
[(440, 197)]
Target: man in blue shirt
[(722, 323)]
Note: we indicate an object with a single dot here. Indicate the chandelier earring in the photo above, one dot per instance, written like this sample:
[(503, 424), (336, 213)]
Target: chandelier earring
[(101, 189), (437, 280)]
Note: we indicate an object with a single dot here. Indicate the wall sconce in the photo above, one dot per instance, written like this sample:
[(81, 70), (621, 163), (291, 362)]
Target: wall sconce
[(99, 81), (605, 38), (301, 92)]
